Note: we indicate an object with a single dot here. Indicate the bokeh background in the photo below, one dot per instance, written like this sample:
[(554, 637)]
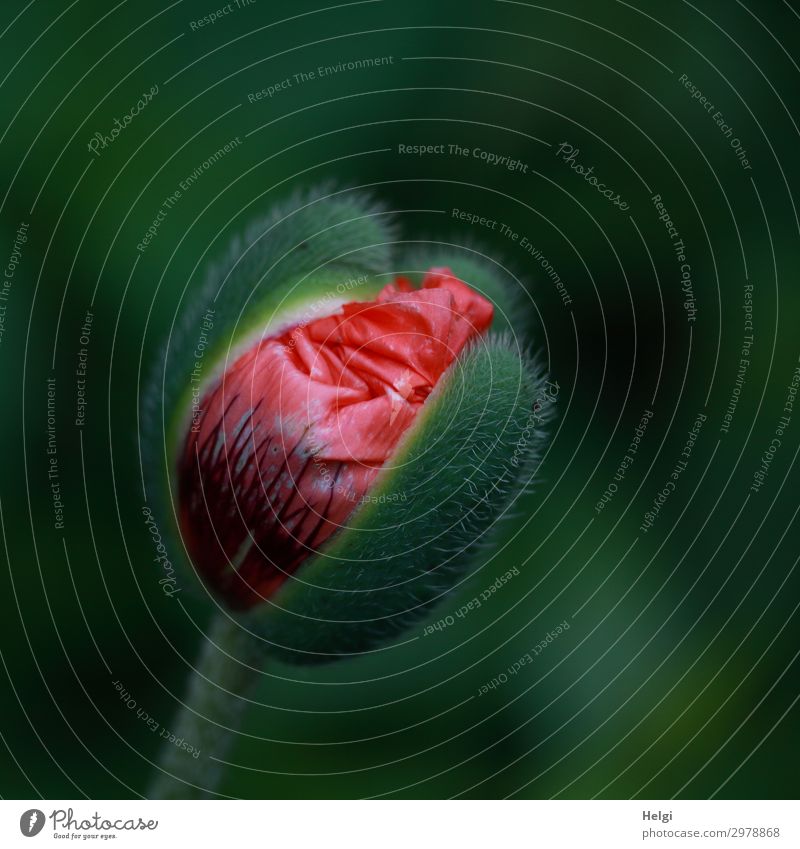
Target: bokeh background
[(678, 675)]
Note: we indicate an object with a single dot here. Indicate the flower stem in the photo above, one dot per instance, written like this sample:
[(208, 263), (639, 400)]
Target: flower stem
[(227, 670)]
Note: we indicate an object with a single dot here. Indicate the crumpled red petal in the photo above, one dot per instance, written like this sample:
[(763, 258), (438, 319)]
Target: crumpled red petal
[(292, 437)]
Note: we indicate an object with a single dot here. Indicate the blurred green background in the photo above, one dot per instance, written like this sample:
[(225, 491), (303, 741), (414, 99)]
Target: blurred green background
[(678, 675)]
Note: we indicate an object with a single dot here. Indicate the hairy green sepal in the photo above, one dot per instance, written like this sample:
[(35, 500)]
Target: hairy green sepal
[(453, 477)]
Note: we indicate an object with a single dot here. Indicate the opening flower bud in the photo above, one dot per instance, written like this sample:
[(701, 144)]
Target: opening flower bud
[(293, 435), (350, 444)]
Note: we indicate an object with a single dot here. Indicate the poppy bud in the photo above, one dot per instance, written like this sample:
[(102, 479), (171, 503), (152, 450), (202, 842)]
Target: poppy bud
[(345, 442), (292, 436)]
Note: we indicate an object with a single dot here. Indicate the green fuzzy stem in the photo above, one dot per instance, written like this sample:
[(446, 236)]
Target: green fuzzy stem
[(226, 671)]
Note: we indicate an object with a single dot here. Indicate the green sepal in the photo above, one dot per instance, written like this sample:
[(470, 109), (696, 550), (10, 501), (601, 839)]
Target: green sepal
[(454, 476)]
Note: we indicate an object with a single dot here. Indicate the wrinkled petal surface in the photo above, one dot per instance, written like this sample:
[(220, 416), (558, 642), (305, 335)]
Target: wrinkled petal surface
[(293, 435)]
